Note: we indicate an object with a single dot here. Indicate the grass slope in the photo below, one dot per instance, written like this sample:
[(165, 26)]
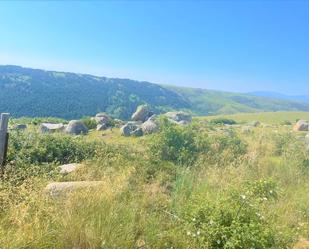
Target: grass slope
[(264, 117)]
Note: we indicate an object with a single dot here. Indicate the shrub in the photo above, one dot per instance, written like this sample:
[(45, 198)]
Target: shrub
[(224, 150), (178, 144), (222, 121), (286, 122), (282, 143), (34, 148), (237, 220), (89, 122)]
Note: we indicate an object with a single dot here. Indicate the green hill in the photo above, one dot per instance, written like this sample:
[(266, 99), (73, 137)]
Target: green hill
[(209, 102), (34, 92)]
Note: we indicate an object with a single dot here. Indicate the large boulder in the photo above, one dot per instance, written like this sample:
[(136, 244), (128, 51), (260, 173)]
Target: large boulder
[(137, 132), (102, 118), (102, 127), (181, 118), (301, 125), (150, 126), (131, 129), (51, 128), (125, 130), (76, 127), (142, 113)]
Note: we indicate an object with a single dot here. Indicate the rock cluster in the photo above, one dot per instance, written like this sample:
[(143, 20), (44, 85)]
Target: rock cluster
[(132, 128), (180, 118), (103, 121), (145, 122)]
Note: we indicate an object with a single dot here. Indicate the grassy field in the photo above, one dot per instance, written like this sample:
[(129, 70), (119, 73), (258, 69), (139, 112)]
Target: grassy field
[(265, 117), (201, 186)]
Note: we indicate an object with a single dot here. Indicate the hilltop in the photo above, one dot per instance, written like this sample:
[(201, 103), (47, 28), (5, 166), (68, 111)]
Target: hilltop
[(35, 92)]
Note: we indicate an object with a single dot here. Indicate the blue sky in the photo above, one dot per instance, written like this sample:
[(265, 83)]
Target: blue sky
[(225, 45)]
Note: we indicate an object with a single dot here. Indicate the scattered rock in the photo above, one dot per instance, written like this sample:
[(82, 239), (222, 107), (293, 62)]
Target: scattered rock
[(69, 168), (180, 118), (150, 126), (301, 125), (56, 188), (51, 128), (76, 127), (142, 113), (131, 129), (19, 127)]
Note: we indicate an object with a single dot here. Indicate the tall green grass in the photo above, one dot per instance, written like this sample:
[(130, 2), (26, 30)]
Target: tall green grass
[(185, 187)]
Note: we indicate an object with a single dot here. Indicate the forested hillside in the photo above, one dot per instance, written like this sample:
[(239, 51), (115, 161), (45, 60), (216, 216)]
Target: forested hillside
[(33, 92)]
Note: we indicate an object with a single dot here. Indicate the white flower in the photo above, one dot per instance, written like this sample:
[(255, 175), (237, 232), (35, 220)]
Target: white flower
[(188, 233), (243, 197)]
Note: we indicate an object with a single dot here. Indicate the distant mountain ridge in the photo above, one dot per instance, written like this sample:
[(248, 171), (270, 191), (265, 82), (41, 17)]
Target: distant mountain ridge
[(35, 92), (302, 98)]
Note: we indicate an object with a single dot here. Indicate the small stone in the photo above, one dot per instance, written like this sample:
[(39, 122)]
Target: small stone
[(69, 168), (51, 128)]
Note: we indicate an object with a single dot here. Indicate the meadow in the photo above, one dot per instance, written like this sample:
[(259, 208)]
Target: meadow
[(205, 185)]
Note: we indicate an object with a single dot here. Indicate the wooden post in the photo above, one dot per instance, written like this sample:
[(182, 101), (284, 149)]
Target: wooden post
[(4, 121)]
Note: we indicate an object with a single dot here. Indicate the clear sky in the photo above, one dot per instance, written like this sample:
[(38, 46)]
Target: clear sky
[(228, 45)]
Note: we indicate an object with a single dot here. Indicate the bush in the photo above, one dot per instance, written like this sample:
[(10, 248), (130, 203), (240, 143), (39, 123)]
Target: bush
[(35, 148), (286, 122), (237, 220), (180, 145), (222, 121), (89, 122)]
